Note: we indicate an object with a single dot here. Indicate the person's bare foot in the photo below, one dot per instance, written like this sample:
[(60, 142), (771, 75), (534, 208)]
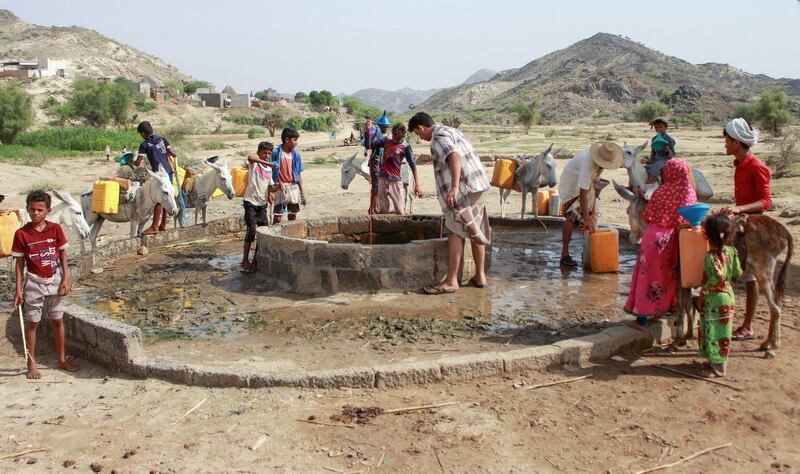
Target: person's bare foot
[(150, 231), (33, 371), (245, 267), (69, 366)]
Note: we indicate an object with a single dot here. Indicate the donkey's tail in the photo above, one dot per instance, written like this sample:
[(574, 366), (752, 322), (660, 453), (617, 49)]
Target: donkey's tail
[(780, 285)]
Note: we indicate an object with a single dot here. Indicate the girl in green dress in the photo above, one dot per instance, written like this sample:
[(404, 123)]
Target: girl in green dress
[(716, 301)]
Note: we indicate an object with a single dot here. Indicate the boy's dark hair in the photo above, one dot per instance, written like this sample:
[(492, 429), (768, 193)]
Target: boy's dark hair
[(368, 117), (399, 129), (745, 145), (145, 127), (420, 118), (38, 195), (265, 146), (719, 230), (289, 132)]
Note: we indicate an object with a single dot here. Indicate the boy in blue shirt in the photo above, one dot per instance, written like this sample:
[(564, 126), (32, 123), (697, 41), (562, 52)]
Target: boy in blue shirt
[(158, 152), (662, 148)]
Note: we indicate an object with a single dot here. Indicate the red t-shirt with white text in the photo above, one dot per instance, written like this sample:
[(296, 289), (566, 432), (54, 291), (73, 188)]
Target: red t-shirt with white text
[(41, 249)]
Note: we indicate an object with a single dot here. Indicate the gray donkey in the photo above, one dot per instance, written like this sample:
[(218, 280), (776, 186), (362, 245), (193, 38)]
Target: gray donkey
[(532, 174)]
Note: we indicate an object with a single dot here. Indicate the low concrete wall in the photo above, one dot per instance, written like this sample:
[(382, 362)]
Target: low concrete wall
[(298, 256), (118, 347)]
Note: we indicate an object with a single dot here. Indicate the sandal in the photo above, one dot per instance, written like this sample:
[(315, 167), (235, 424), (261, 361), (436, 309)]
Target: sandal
[(568, 261), (437, 290), (742, 334)]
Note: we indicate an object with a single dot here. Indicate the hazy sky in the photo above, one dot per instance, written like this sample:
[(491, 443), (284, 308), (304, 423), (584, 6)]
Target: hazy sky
[(347, 45)]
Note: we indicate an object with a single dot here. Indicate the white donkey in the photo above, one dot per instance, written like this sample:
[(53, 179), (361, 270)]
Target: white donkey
[(358, 166), (156, 190), (637, 173), (68, 213), (199, 194), (532, 174)]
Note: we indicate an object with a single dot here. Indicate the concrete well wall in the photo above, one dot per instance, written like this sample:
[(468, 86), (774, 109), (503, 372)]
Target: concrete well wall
[(300, 258)]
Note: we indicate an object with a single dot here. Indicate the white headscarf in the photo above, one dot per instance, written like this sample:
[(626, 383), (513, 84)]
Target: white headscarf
[(738, 129)]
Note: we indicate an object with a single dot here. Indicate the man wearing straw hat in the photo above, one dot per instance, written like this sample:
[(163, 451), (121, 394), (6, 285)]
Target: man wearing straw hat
[(576, 188)]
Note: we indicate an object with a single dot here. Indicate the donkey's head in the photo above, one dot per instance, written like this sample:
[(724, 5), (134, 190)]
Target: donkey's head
[(73, 213), (636, 205), (350, 168), (224, 180), (547, 167)]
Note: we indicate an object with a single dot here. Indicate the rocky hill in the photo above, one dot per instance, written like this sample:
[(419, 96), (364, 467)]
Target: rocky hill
[(394, 101), (605, 76), (90, 53), (480, 75)]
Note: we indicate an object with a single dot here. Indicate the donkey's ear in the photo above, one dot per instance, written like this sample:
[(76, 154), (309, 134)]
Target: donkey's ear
[(548, 149), (63, 195), (557, 152)]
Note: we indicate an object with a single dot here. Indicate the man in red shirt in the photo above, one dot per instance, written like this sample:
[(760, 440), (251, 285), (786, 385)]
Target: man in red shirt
[(40, 247), (752, 195)]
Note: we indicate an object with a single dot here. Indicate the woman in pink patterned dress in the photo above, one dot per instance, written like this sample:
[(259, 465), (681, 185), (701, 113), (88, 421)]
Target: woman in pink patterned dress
[(654, 284)]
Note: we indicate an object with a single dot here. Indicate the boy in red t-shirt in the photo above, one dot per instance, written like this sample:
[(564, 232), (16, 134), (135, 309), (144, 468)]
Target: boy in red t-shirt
[(39, 246)]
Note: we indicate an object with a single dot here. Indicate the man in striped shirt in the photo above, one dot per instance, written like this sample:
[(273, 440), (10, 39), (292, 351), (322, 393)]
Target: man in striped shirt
[(461, 184)]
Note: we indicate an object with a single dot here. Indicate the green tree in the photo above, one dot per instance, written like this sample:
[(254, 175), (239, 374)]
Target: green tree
[(99, 102), (698, 119), (771, 110), (192, 86), (527, 114), (647, 111), (301, 97), (747, 112), (274, 119), (318, 100), (16, 112)]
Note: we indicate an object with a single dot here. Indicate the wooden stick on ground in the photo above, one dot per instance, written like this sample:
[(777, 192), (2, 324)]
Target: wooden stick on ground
[(687, 458), (559, 382), (441, 466), (380, 461), (23, 453), (786, 325), (417, 408), (326, 424), (188, 412), (687, 374)]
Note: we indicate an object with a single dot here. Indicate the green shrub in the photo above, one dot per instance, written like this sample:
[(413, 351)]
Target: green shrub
[(192, 86), (647, 111), (527, 114), (242, 119), (212, 145), (100, 102), (143, 105), (747, 112), (319, 160), (319, 123), (295, 122), (79, 138), (16, 112), (255, 132)]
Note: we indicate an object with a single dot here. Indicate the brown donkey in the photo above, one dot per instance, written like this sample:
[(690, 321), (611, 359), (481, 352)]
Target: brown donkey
[(760, 241)]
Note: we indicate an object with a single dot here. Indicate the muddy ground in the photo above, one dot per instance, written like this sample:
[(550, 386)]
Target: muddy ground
[(622, 419), (192, 302)]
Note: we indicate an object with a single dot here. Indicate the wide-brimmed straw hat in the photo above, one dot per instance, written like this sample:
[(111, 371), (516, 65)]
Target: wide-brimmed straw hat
[(606, 154)]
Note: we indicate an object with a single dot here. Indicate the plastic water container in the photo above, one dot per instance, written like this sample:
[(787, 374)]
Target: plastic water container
[(124, 183), (542, 202), (503, 174), (177, 179), (239, 176), (554, 208), (601, 250), (9, 223), (693, 247), (105, 197)]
